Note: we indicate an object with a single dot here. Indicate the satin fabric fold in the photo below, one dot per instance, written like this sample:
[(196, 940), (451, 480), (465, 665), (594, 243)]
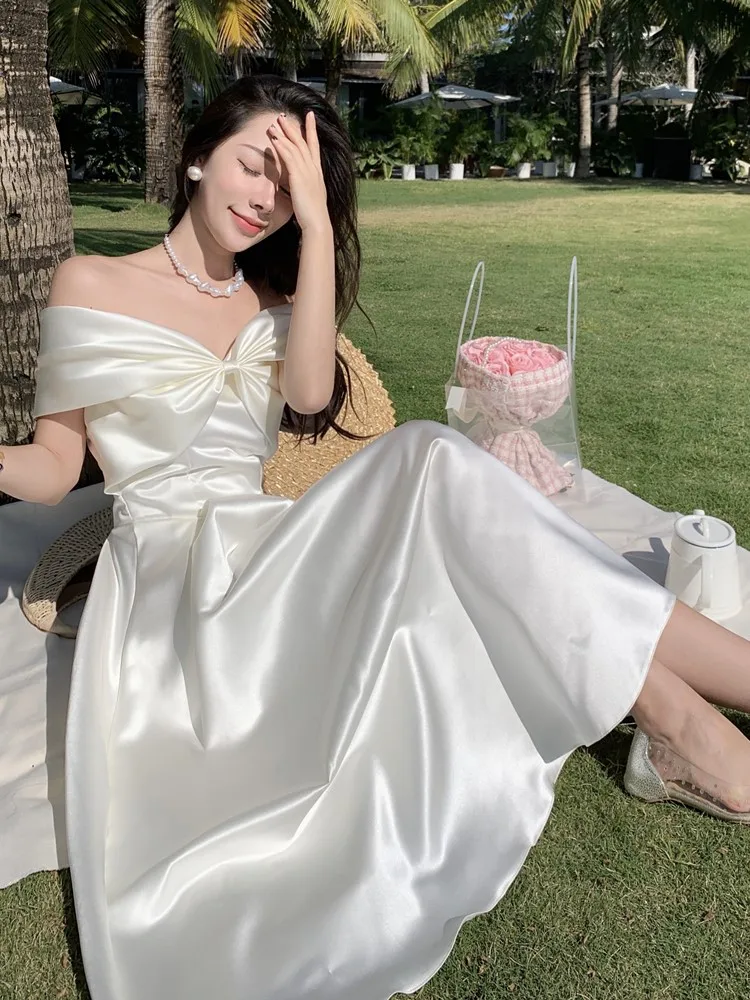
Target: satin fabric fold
[(307, 740), (152, 389)]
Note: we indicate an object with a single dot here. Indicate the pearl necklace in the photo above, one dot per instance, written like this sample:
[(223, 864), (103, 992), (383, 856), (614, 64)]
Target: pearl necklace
[(204, 286)]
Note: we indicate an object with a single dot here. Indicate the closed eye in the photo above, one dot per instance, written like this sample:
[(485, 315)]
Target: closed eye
[(256, 173), (249, 170)]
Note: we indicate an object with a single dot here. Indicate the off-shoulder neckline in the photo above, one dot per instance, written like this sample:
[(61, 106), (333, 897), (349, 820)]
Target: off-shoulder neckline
[(185, 336)]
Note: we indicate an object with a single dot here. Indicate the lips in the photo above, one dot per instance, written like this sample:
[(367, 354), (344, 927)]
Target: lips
[(245, 225)]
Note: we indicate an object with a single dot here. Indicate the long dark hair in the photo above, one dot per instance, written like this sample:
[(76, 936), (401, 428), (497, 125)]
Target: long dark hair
[(273, 264)]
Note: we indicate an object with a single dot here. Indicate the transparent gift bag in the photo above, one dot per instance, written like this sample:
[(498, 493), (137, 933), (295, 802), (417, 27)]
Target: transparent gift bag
[(516, 398)]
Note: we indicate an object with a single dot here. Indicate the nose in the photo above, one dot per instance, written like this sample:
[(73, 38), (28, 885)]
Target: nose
[(263, 196)]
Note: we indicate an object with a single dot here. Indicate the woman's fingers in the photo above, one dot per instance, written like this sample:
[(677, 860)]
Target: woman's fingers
[(288, 150), (306, 143), (291, 130), (311, 134), (306, 181)]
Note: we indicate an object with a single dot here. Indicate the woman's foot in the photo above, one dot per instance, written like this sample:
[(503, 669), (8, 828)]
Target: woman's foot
[(692, 745), (687, 785)]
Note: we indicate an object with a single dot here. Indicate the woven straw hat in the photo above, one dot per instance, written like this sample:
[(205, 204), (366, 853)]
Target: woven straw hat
[(62, 575)]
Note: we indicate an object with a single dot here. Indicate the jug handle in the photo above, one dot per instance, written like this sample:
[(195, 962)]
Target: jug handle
[(707, 584)]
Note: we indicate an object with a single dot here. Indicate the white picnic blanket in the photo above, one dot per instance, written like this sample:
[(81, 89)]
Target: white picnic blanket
[(35, 667)]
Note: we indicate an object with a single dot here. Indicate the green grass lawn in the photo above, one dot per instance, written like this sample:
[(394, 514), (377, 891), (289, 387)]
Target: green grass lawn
[(619, 901)]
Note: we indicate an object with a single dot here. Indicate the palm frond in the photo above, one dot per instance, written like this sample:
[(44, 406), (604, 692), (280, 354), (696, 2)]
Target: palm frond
[(405, 31), (462, 25), (351, 22), (583, 14), (433, 15), (307, 9), (451, 29), (402, 75), (724, 66), (632, 23), (83, 34), (694, 18), (727, 53), (196, 42), (242, 24), (541, 25)]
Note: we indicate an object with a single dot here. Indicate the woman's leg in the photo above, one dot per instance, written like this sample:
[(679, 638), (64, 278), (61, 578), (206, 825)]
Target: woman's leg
[(712, 660), (696, 660)]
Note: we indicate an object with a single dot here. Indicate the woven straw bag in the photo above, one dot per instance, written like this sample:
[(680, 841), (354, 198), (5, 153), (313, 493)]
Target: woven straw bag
[(62, 575)]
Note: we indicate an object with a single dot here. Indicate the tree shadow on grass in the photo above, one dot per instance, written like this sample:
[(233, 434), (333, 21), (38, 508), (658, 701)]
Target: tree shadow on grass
[(98, 195), (71, 935), (629, 185), (107, 205), (113, 243)]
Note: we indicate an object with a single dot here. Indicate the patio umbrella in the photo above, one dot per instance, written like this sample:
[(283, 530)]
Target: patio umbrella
[(68, 93), (665, 95), (455, 96)]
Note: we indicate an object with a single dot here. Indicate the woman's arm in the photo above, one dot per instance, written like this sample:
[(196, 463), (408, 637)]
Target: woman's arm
[(307, 372), (48, 469), (306, 376)]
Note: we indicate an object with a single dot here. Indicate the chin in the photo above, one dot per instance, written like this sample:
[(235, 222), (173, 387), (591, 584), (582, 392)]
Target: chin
[(237, 242)]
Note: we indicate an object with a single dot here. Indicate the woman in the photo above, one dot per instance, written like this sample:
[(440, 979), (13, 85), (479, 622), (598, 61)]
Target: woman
[(307, 740)]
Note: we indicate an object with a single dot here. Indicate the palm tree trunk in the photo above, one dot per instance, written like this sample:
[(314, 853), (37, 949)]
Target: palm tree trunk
[(690, 59), (177, 101), (614, 80), (583, 60), (424, 82), (333, 64), (36, 229), (161, 183)]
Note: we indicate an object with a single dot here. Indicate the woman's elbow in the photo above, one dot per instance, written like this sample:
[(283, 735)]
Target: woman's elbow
[(53, 499), (312, 408), (64, 485), (309, 404)]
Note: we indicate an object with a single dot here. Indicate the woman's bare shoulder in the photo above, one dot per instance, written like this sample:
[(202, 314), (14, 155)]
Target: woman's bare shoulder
[(88, 279)]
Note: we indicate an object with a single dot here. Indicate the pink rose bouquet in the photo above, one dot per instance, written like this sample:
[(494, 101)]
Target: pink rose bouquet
[(516, 383), (508, 356)]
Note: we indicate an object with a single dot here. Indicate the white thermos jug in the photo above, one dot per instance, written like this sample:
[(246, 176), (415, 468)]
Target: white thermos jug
[(703, 568)]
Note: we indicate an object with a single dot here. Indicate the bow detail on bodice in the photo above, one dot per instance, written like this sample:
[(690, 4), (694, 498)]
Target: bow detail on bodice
[(148, 390)]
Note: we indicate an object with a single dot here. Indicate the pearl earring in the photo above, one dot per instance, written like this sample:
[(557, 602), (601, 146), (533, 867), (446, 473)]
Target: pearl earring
[(194, 173)]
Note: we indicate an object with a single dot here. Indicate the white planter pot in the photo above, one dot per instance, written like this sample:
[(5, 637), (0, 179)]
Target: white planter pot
[(431, 171), (638, 170), (549, 170), (570, 170), (696, 171), (408, 172), (456, 171), (523, 171)]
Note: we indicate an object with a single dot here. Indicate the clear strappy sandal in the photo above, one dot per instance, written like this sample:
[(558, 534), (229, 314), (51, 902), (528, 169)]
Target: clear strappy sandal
[(679, 782)]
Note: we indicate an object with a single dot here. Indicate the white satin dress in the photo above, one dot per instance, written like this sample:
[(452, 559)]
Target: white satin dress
[(307, 740)]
